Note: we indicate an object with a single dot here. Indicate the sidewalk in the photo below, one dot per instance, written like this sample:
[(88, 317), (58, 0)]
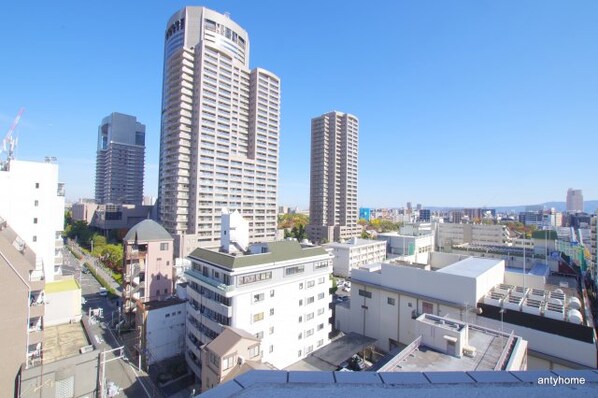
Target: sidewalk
[(97, 266)]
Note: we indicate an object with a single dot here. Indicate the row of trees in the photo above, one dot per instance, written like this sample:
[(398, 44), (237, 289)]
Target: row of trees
[(111, 254), (294, 225)]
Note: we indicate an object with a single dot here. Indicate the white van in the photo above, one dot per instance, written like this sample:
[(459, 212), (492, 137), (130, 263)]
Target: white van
[(103, 291)]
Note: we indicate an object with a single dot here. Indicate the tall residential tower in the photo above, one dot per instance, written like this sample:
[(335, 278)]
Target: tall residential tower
[(333, 182), (120, 160), (219, 134)]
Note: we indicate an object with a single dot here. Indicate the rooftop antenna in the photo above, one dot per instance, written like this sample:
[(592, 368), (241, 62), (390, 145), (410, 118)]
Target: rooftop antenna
[(9, 142)]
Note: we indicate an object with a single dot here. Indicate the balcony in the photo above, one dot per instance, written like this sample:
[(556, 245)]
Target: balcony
[(212, 282), (35, 336), (37, 310)]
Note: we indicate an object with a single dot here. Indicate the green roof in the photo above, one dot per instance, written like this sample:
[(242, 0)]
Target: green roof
[(277, 251), (65, 285), (147, 230), (550, 235)]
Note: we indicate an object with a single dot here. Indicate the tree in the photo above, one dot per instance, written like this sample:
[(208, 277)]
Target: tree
[(112, 255)]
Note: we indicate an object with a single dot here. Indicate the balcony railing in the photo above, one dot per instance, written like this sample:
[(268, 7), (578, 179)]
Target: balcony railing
[(212, 282)]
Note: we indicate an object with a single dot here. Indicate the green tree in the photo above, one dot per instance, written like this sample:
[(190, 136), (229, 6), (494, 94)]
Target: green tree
[(112, 256)]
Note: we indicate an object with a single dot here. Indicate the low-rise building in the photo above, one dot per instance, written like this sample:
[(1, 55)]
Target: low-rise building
[(355, 253), (229, 355), (477, 234), (407, 245), (544, 309)]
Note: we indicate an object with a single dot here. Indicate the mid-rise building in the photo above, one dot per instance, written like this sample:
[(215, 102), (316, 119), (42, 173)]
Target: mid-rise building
[(32, 202), (120, 160), (574, 200), (148, 266), (450, 234), (219, 139), (407, 245), (275, 291), (333, 207), (355, 253)]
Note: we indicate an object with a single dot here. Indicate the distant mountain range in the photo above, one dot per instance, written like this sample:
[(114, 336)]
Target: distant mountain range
[(590, 207)]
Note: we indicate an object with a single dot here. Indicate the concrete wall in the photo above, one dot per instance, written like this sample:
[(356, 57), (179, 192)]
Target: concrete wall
[(82, 368), (165, 332)]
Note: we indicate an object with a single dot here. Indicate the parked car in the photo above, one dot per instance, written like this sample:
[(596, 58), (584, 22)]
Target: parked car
[(103, 292)]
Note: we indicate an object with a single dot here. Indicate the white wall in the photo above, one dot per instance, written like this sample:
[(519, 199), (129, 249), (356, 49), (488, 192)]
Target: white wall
[(62, 307), (22, 202), (165, 332)]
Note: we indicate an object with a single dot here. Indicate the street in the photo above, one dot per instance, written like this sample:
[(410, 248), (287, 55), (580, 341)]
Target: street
[(121, 372)]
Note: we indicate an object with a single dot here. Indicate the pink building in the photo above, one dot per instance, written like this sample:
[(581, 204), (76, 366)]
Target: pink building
[(148, 265)]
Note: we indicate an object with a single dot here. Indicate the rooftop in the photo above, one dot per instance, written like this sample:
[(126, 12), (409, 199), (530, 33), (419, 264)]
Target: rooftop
[(63, 341), (283, 250), (471, 267), (147, 230), (227, 340), (155, 304), (64, 285), (355, 242), (500, 384)]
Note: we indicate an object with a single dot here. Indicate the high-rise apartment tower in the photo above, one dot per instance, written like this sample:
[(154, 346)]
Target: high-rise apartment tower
[(333, 208), (120, 160), (219, 133), (574, 200)]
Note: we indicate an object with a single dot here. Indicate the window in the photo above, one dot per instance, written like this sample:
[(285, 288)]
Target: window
[(300, 318), (427, 308), (271, 311), (321, 296), (258, 297), (34, 238), (271, 331), (320, 326), (258, 317), (35, 220), (271, 349), (245, 279), (254, 350), (365, 293), (163, 246), (320, 343), (309, 349), (165, 291), (300, 302), (158, 277), (309, 316), (259, 335), (157, 292), (390, 300), (311, 284), (301, 286), (36, 203), (300, 336), (272, 293), (321, 280), (37, 185), (294, 270), (320, 311), (310, 300), (309, 332), (228, 362), (321, 264), (299, 353)]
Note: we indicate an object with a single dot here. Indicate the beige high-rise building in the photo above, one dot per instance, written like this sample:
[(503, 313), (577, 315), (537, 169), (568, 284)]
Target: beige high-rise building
[(219, 134), (574, 200), (333, 208)]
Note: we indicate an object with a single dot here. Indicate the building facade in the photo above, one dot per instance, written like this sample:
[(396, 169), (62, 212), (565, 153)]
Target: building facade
[(120, 160), (333, 207), (475, 234), (574, 200), (219, 138), (32, 202), (279, 293), (355, 253), (148, 266)]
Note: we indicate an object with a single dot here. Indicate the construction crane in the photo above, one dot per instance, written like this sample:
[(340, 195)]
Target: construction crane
[(9, 142)]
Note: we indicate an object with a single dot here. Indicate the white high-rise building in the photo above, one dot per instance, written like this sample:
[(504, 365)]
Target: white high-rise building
[(333, 207), (32, 202), (219, 133), (574, 200)]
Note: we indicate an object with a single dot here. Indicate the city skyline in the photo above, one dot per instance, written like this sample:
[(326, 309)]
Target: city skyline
[(487, 94)]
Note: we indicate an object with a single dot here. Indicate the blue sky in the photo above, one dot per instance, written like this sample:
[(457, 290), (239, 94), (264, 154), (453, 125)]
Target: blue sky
[(461, 103)]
